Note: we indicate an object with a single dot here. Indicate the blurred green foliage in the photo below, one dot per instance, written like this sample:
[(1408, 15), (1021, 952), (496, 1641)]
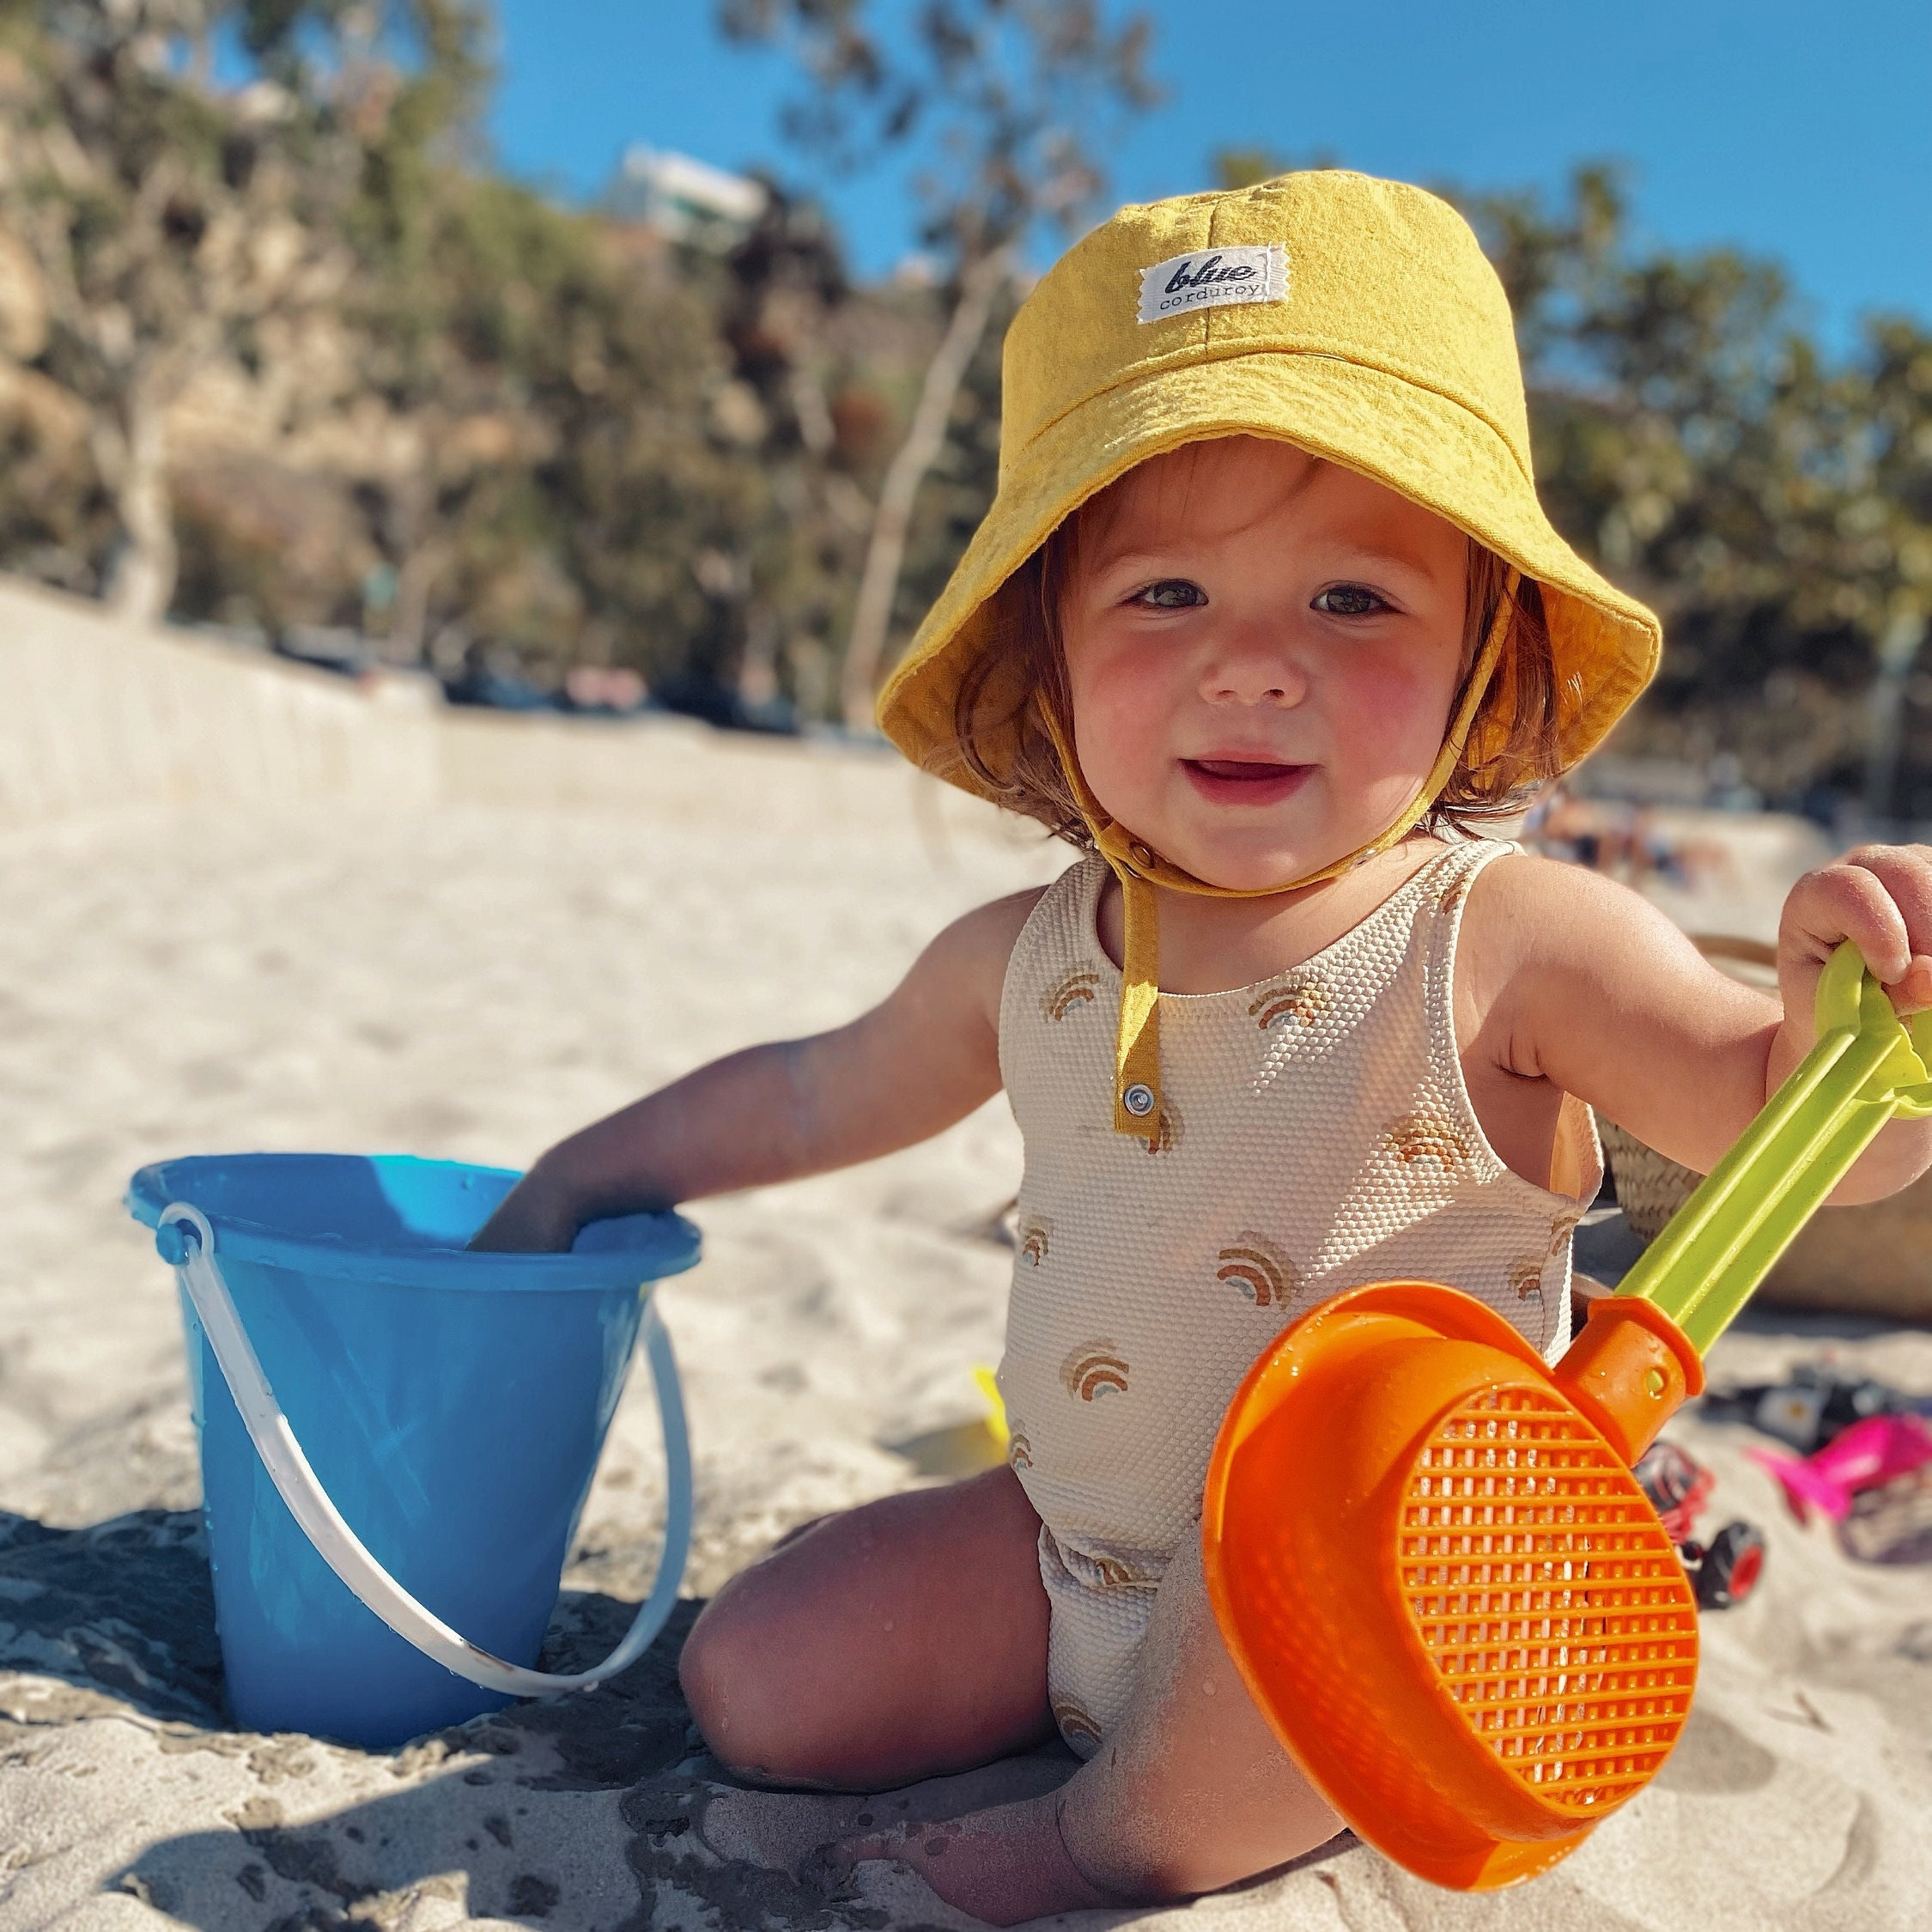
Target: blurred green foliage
[(1774, 503), (159, 225), (479, 426)]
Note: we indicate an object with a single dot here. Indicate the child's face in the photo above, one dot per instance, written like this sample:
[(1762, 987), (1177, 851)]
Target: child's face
[(1261, 649)]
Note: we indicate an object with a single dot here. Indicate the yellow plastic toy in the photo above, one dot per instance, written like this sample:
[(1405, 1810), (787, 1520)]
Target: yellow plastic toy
[(988, 1384), (1425, 1546)]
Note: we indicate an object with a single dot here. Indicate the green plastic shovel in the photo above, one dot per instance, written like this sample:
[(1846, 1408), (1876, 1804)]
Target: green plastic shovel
[(1425, 1547)]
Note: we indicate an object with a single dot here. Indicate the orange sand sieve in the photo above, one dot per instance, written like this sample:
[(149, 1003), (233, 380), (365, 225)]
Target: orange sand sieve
[(1425, 1547)]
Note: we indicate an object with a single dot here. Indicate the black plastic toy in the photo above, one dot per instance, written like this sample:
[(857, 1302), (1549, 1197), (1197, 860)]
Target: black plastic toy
[(1724, 1571)]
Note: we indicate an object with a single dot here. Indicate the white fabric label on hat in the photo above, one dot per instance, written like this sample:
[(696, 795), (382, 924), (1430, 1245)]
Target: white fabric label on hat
[(1210, 277)]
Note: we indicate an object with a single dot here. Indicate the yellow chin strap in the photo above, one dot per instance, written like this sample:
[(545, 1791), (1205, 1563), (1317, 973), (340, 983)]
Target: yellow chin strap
[(1141, 870)]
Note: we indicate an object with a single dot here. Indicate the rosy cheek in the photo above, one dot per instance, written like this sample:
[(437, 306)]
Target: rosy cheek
[(1123, 702), (1407, 692)]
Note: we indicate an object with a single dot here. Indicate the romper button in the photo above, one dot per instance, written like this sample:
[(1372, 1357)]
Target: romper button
[(1139, 1100), (1140, 855)]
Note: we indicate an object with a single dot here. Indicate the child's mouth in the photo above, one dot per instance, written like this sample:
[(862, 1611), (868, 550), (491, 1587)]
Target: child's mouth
[(1243, 780)]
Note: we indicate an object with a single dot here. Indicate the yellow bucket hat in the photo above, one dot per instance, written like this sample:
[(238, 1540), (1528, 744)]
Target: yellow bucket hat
[(1355, 318)]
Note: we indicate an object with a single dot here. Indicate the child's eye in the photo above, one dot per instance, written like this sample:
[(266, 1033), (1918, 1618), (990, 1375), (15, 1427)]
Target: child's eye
[(1170, 593), (1350, 600)]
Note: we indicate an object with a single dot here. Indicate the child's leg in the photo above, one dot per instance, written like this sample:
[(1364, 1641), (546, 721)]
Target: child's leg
[(893, 1642), (1189, 1793)]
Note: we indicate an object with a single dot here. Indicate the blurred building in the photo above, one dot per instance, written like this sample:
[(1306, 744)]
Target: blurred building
[(684, 199)]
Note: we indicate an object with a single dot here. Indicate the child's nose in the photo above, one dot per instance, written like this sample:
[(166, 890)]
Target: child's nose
[(1254, 669)]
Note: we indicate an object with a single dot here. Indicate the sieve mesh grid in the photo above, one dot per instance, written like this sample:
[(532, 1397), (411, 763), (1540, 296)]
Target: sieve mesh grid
[(1549, 1598)]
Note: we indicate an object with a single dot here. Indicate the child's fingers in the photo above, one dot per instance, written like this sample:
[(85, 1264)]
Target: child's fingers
[(1847, 901), (1905, 872), (1880, 897)]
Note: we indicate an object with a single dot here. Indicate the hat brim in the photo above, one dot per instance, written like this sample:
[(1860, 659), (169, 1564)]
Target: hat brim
[(1430, 448)]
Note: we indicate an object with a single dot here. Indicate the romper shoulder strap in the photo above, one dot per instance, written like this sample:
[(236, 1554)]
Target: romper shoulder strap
[(1056, 961), (1438, 927)]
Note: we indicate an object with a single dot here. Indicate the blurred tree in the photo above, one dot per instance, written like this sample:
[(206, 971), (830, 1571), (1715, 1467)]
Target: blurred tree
[(1897, 399), (965, 474), (1249, 166), (171, 219), (574, 483), (1000, 102), (1245, 168), (1691, 437), (788, 308), (617, 447), (524, 436)]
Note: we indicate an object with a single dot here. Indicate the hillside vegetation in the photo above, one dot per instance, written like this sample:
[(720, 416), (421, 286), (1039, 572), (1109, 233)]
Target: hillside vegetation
[(280, 348)]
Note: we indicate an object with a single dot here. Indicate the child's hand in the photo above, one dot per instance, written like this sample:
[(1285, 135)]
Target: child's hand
[(535, 1217), (1880, 897)]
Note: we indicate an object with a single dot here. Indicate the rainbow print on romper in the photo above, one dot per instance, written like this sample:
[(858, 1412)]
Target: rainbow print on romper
[(1166, 1136), (1081, 986), (1073, 1722), (1256, 1267), (1427, 1137), (1093, 1369), (1301, 1000), (1526, 1276)]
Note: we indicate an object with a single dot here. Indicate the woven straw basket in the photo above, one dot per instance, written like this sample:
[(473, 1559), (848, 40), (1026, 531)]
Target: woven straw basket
[(1650, 1188)]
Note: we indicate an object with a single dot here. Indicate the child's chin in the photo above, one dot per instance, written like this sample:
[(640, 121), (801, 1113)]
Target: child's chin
[(1272, 858), (1271, 869)]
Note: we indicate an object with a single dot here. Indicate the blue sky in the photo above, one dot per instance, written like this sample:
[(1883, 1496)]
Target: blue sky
[(1801, 130)]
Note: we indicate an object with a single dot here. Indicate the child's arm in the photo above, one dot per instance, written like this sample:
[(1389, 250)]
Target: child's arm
[(1578, 981), (926, 1056)]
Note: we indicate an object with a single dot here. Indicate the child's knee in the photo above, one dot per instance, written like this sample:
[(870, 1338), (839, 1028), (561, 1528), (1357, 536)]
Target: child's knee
[(735, 1680), (709, 1669)]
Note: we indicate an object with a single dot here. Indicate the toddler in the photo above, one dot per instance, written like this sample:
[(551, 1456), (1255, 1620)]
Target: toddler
[(1267, 620)]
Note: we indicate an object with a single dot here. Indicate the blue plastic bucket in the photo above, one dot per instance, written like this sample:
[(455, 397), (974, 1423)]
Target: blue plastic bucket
[(448, 1408)]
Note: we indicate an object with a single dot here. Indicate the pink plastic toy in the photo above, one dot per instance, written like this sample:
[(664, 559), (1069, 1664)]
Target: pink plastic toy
[(1869, 1453)]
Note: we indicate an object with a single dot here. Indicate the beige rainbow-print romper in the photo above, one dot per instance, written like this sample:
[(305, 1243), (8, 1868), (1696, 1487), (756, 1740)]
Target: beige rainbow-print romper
[(1315, 1134)]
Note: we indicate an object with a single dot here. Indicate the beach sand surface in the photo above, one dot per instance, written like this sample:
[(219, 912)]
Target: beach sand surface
[(472, 980)]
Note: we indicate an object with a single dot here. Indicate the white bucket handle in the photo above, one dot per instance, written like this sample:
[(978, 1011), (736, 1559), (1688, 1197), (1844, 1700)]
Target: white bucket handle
[(339, 1547)]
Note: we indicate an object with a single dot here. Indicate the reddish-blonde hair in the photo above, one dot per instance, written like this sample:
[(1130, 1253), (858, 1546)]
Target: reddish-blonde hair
[(1511, 751)]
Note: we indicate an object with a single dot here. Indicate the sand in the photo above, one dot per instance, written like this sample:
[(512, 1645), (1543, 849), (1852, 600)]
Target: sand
[(459, 978)]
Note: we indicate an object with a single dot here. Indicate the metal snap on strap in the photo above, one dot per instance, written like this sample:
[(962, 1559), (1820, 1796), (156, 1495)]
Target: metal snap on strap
[(1139, 1100)]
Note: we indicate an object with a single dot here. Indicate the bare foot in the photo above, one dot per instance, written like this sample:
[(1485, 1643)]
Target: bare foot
[(783, 1830), (1005, 1865)]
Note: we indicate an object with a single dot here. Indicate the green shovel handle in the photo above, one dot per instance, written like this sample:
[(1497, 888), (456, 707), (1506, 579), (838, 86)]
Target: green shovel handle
[(1868, 1066)]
